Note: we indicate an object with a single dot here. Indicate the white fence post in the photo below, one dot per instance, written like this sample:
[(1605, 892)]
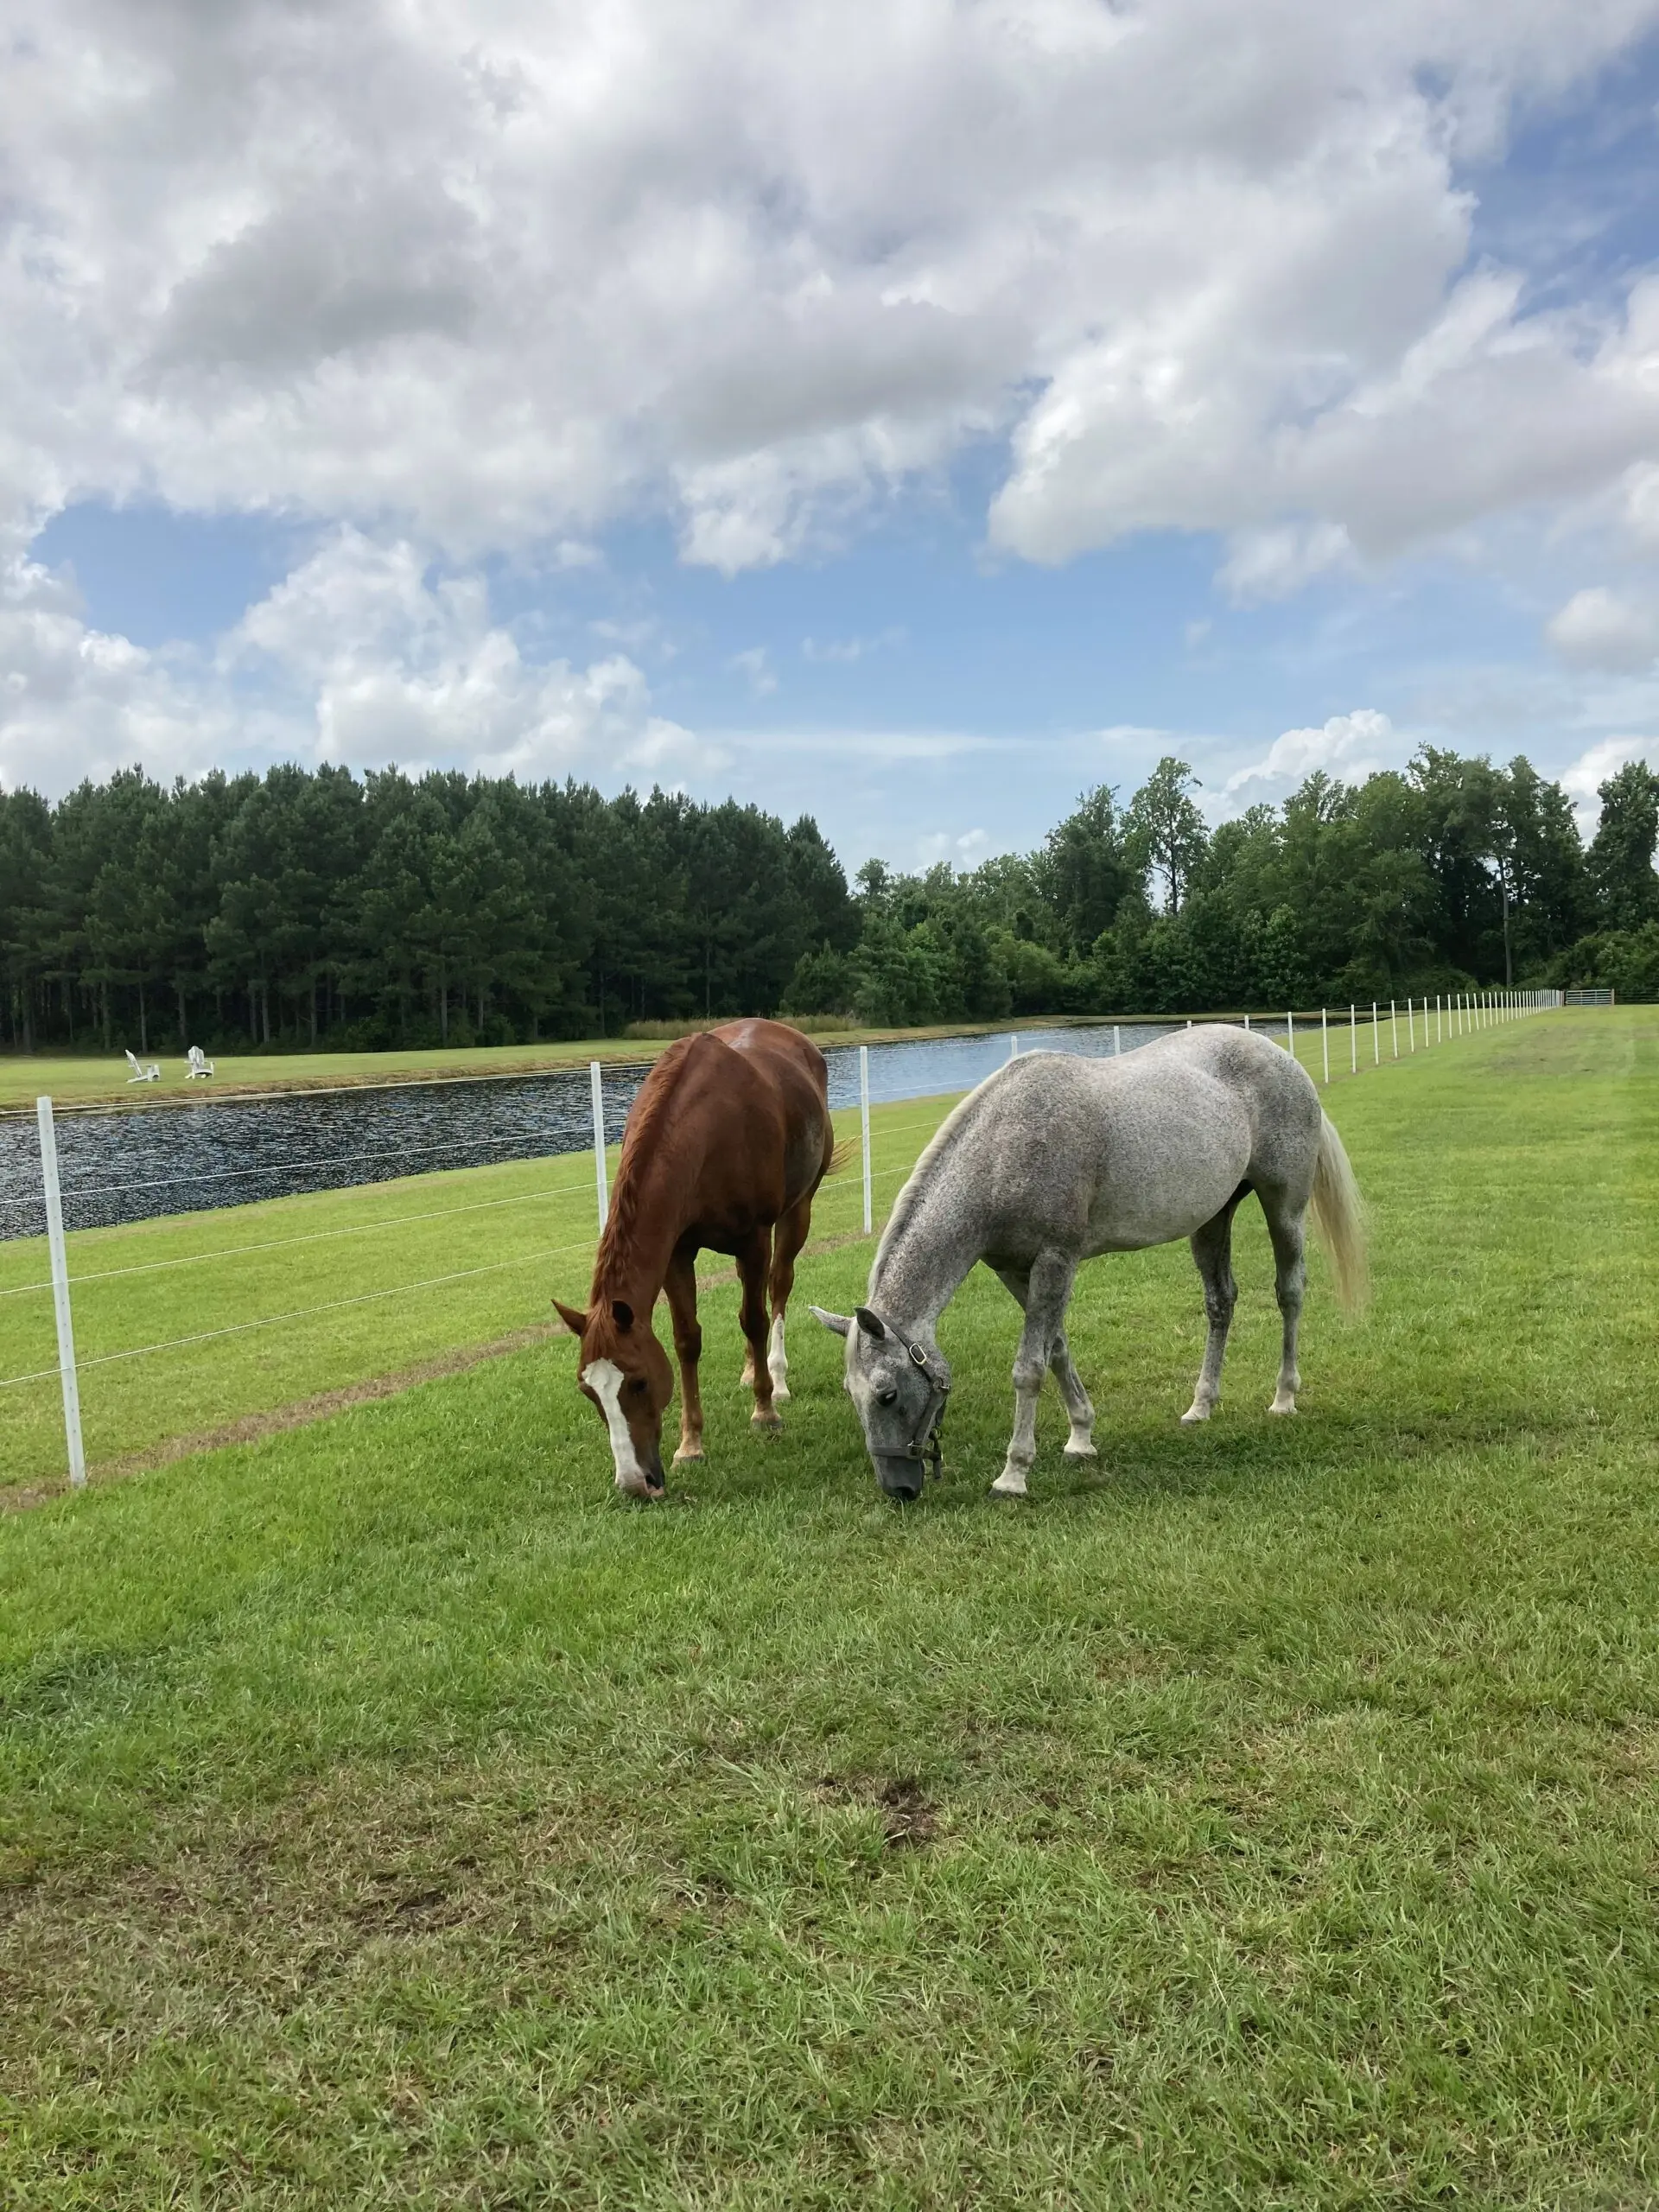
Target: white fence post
[(1247, 1021), (1013, 1046), (59, 1260), (1324, 1039), (1353, 1041), (597, 1082), (1376, 1039), (1290, 1032), (1394, 1025), (1411, 1026), (864, 1124), (1117, 1040)]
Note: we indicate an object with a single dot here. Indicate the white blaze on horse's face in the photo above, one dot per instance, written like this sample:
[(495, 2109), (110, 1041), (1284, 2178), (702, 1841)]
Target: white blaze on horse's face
[(605, 1379)]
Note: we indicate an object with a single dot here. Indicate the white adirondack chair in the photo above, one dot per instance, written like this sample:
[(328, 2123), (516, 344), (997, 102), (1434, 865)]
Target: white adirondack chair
[(141, 1071), (198, 1063)]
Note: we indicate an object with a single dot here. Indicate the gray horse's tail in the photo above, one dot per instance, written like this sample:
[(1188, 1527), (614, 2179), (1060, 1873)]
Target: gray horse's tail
[(1339, 1213)]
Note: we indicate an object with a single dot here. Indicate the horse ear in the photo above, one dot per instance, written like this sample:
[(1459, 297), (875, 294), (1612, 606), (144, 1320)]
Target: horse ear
[(839, 1322), (870, 1323), (622, 1314), (573, 1318)]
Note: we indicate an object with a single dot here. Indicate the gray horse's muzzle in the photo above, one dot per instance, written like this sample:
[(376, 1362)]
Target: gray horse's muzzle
[(899, 1477)]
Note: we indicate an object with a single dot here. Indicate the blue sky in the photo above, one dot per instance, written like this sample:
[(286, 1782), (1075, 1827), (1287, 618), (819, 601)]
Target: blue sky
[(929, 453)]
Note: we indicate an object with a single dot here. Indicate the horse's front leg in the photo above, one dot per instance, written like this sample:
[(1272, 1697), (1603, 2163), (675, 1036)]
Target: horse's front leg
[(1079, 1412), (752, 1274), (681, 1285), (1048, 1293)]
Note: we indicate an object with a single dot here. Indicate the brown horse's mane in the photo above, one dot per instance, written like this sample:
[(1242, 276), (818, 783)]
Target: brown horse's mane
[(621, 1223)]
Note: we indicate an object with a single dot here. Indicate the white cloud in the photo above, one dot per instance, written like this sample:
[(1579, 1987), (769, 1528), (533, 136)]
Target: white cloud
[(486, 277), (1602, 629), (1348, 746), (756, 666), (1273, 563), (965, 851), (77, 701), (361, 655), (1583, 780), (392, 663), (851, 649)]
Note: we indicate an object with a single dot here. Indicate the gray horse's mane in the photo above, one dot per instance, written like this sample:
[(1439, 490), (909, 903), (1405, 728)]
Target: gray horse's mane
[(917, 1184)]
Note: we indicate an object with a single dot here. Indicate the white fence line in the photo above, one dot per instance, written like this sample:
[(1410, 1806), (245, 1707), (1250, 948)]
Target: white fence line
[(309, 1313), (864, 1124), (596, 1080), (1455, 1014), (59, 1260)]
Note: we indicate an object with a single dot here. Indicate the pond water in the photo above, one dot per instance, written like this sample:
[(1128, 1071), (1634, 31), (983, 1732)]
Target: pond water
[(129, 1166)]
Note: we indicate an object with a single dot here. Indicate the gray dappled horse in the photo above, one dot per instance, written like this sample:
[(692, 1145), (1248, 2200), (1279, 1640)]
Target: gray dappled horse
[(1054, 1160)]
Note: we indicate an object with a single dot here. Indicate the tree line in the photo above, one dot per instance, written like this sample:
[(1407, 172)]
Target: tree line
[(308, 908)]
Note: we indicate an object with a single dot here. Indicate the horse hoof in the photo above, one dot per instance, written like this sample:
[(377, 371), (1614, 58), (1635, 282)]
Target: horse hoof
[(1079, 1452), (769, 1424), (688, 1453), (1003, 1487), (780, 1394), (1288, 1406), (1194, 1413)]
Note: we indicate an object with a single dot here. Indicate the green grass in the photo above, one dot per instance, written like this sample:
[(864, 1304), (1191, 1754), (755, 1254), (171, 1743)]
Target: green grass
[(1267, 1818)]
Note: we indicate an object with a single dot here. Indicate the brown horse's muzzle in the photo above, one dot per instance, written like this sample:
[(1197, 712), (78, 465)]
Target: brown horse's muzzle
[(644, 1478)]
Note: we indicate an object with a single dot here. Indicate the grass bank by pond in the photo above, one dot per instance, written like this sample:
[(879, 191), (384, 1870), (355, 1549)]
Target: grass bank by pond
[(1266, 1817)]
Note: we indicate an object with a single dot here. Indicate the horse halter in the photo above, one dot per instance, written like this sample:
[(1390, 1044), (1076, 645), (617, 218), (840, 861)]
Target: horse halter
[(927, 1445)]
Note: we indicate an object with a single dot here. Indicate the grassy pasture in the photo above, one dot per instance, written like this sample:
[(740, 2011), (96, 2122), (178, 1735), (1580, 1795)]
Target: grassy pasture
[(1266, 1817)]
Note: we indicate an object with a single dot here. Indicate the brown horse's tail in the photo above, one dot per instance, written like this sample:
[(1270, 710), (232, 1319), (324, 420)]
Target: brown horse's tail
[(1340, 1215), (846, 1150)]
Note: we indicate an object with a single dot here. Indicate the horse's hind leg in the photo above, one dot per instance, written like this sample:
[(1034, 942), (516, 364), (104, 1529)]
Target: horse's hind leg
[(752, 1274), (1212, 1251), (746, 1380), (787, 1238), (681, 1285), (1080, 1444), (1048, 1293), (1290, 1277)]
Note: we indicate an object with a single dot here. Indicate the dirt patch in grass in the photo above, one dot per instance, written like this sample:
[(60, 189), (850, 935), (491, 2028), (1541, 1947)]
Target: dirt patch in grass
[(909, 1817)]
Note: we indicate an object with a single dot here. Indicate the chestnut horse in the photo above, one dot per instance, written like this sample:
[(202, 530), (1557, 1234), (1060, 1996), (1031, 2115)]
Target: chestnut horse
[(724, 1150)]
